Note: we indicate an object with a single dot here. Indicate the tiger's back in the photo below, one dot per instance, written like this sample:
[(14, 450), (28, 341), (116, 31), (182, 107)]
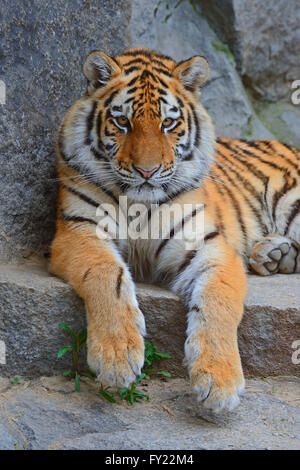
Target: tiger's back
[(257, 184)]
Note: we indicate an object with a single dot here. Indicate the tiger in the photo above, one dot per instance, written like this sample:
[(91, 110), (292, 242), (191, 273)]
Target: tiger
[(140, 132)]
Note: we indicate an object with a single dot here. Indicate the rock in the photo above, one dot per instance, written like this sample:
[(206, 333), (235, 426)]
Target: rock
[(283, 119), (265, 40), (8, 441), (33, 303), (172, 419), (43, 46)]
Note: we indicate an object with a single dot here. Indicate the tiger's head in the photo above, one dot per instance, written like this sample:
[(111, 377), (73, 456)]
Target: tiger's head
[(140, 125)]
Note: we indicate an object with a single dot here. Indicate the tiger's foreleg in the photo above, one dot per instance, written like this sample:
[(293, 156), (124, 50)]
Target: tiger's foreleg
[(115, 324), (214, 285)]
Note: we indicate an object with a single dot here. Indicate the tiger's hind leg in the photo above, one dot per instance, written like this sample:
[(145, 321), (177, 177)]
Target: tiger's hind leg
[(275, 254)]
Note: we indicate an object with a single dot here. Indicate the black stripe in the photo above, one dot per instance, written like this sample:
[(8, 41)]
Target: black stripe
[(162, 82), (136, 61), (262, 160), (99, 125), (77, 219), (190, 255), (271, 148), (131, 69), (180, 102), (132, 82), (195, 308), (235, 153), (236, 207), (111, 97), (295, 209), (134, 53), (297, 254), (178, 227), (98, 155), (147, 73), (90, 123), (81, 195), (133, 89), (119, 282), (281, 192), (254, 210), (246, 183), (164, 72), (196, 123), (211, 235), (86, 274)]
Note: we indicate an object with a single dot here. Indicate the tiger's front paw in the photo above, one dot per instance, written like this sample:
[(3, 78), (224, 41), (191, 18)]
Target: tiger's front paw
[(274, 254), (116, 351), (217, 381)]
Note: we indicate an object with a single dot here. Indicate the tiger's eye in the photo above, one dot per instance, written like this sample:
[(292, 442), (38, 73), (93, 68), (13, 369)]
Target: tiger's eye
[(122, 120), (167, 122)]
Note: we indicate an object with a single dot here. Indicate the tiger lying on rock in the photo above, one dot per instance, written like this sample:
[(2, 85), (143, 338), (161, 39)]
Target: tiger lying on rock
[(140, 131)]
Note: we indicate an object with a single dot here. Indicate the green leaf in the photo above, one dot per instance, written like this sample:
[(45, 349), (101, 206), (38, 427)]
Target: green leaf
[(123, 393), (164, 373), (77, 382), (163, 356), (63, 351), (131, 399), (89, 376), (141, 377), (82, 336), (66, 372), (107, 396), (140, 400), (149, 371), (66, 327), (139, 393)]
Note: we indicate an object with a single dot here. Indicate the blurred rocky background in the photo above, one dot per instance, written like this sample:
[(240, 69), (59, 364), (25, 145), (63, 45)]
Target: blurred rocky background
[(253, 48)]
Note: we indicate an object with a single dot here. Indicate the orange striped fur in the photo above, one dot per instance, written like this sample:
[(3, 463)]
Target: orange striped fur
[(140, 131)]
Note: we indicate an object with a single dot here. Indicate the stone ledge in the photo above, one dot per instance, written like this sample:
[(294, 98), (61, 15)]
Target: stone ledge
[(32, 303)]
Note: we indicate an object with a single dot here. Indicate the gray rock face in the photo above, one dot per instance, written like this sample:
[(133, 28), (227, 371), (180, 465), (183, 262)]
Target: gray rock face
[(45, 416), (33, 303), (42, 49), (265, 39)]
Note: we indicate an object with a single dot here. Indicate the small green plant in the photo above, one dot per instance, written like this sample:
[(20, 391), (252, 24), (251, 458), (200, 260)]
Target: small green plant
[(16, 380), (79, 340), (132, 394), (105, 394), (151, 354)]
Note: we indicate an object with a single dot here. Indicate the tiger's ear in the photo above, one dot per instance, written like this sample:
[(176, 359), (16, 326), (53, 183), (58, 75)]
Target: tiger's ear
[(98, 69), (193, 72)]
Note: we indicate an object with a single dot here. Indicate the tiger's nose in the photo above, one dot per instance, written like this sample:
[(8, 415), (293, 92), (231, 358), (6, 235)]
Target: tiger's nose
[(145, 172)]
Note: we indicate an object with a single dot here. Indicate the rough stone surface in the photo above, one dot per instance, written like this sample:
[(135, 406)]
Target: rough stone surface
[(42, 49), (33, 303), (265, 39), (44, 416), (283, 119)]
